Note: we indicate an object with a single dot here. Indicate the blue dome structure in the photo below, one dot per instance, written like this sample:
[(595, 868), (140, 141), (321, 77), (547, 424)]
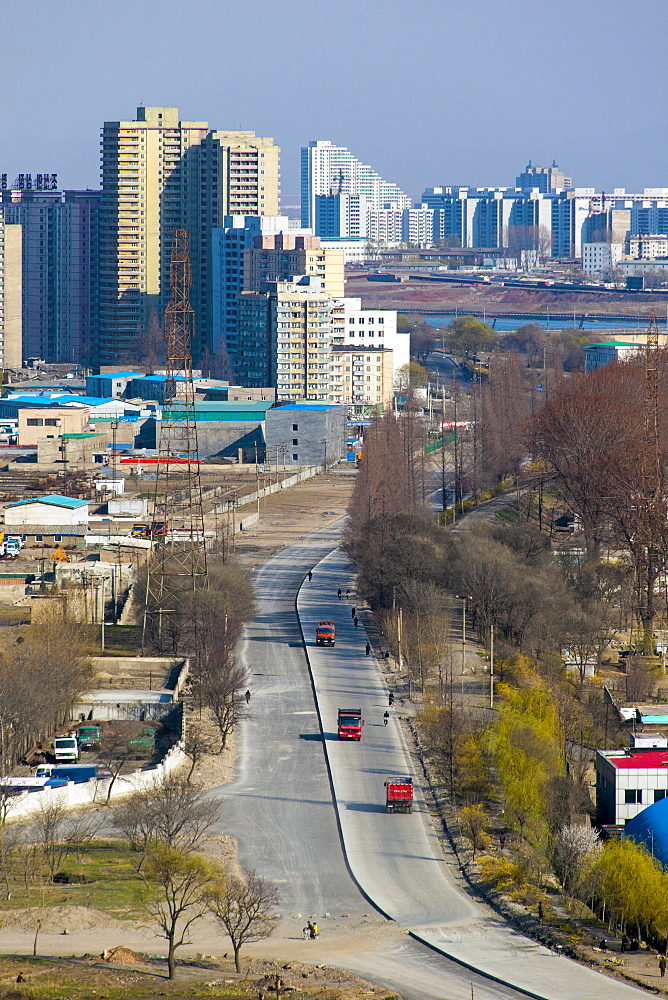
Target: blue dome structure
[(650, 828)]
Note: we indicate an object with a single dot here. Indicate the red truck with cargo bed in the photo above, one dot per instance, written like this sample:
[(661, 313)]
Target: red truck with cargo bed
[(350, 723), (399, 796), (325, 634)]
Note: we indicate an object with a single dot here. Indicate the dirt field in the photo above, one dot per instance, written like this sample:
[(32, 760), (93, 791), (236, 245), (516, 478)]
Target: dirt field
[(287, 517), (428, 295)]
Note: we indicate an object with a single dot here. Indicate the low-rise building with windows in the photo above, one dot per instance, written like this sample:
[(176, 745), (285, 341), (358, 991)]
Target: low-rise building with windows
[(629, 780), (597, 355)]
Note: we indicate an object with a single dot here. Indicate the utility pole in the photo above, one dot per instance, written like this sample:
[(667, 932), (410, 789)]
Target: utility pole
[(177, 500), (491, 665), (464, 599)]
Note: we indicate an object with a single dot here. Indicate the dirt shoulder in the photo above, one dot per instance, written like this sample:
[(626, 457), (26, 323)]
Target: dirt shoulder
[(286, 518)]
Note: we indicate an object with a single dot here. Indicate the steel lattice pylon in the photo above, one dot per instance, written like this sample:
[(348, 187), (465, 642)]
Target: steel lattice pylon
[(179, 564)]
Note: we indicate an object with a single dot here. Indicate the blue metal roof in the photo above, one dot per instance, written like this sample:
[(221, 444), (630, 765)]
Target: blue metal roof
[(119, 375), (55, 499), (58, 400), (650, 827)]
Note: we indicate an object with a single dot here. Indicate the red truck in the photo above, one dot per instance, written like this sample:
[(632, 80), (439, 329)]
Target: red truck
[(399, 795), (350, 723), (325, 634)]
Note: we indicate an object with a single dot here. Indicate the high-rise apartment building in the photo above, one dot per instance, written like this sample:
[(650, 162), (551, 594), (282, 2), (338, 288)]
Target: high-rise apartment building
[(280, 256), (341, 216), (377, 328), (543, 179), (159, 174), (11, 269), (60, 261), (551, 224), (361, 377), (285, 338), (327, 169), (228, 246)]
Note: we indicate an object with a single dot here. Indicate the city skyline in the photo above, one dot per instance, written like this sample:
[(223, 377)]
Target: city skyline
[(431, 95)]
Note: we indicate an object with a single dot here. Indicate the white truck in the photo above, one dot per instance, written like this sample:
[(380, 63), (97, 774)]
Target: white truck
[(66, 749), (10, 546)]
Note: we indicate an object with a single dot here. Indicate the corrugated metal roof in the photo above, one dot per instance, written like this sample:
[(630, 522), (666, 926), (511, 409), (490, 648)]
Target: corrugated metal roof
[(54, 499), (75, 530)]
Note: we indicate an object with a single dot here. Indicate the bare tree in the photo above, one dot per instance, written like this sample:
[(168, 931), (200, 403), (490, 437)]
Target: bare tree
[(243, 907), (172, 812), (113, 754), (196, 746), (49, 832)]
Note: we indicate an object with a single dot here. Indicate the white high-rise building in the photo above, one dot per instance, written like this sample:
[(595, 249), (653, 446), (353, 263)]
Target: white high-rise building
[(329, 169), (362, 328)]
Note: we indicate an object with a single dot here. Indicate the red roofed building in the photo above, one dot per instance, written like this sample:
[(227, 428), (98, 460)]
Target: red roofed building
[(629, 780)]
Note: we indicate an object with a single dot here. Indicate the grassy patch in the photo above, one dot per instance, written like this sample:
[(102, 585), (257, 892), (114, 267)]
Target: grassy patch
[(108, 882), (48, 979), (122, 640)]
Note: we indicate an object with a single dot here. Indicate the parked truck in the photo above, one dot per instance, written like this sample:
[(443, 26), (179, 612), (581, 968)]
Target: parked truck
[(70, 772), (66, 749), (399, 795), (90, 737), (142, 743), (325, 634), (350, 723)]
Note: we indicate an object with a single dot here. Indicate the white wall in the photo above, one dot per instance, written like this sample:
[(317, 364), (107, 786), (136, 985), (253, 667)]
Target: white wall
[(45, 513)]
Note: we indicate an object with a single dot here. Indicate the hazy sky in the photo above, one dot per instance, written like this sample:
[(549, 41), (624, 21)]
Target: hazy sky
[(426, 91)]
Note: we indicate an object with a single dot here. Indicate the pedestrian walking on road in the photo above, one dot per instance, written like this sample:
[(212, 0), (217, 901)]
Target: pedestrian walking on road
[(347, 593), (310, 575), (353, 612), (540, 911), (339, 593), (386, 718), (662, 965), (391, 698), (315, 929), (247, 696), (356, 619), (309, 930), (306, 933), (368, 648)]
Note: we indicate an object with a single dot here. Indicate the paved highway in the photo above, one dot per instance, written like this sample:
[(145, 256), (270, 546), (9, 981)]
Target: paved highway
[(280, 808), (396, 859)]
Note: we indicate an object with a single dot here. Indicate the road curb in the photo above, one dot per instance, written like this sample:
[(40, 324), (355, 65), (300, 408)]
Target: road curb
[(437, 949), (326, 754)]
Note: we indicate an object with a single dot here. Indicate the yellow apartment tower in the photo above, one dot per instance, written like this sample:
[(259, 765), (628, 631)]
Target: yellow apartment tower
[(280, 256), (11, 284), (159, 174)]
